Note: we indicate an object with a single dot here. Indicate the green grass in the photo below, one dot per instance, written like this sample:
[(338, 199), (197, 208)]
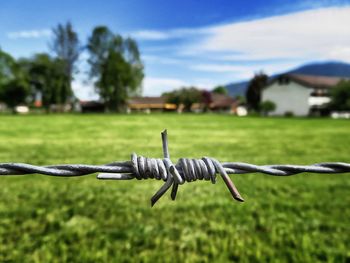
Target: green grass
[(303, 218)]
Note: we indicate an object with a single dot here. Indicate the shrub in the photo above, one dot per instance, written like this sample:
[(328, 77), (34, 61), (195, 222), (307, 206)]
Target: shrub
[(267, 106), (340, 96), (289, 114)]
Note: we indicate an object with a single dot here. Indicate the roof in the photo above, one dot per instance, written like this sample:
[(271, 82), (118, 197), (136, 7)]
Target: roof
[(147, 100), (311, 81), (150, 103), (221, 100)]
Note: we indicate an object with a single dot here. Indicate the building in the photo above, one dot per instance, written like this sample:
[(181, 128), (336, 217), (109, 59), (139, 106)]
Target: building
[(223, 103), (91, 106), (299, 95), (148, 104), (215, 102)]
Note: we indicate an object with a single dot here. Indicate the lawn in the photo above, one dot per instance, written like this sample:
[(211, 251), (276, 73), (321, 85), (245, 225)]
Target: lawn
[(302, 218)]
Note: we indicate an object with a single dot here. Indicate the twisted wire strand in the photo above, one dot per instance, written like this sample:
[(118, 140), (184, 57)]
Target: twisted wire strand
[(185, 170), (124, 170)]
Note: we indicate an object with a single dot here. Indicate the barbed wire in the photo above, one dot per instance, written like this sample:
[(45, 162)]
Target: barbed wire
[(185, 170)]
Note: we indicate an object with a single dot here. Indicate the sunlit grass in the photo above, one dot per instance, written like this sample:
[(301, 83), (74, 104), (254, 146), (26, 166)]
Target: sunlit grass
[(304, 218)]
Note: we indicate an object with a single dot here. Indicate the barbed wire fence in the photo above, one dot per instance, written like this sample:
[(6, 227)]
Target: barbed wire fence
[(185, 170)]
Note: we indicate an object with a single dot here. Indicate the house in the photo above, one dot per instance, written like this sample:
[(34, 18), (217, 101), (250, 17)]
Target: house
[(222, 102), (216, 102), (299, 95), (3, 107), (148, 104)]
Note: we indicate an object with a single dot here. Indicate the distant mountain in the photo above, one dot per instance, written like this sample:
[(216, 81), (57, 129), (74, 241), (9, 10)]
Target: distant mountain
[(237, 89), (332, 69)]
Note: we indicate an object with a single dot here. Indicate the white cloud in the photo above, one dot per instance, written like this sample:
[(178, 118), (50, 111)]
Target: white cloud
[(236, 71), (314, 34), (167, 34), (161, 60), (150, 35), (204, 83), (217, 68), (29, 34), (153, 86), (340, 52), (83, 89), (235, 51)]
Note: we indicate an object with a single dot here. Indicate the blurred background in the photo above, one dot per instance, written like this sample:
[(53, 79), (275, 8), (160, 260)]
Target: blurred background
[(263, 82)]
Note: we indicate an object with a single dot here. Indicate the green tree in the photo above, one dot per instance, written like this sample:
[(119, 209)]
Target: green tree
[(267, 106), (185, 96), (116, 67), (340, 96), (14, 92), (241, 99), (67, 48), (99, 44), (47, 76), (255, 87), (116, 75), (7, 67), (13, 81), (220, 90)]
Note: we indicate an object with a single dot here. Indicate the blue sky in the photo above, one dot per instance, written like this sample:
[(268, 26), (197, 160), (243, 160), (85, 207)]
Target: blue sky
[(202, 43)]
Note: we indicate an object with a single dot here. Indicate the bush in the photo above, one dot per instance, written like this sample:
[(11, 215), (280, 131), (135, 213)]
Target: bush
[(220, 90), (185, 96), (340, 96), (267, 106), (289, 114)]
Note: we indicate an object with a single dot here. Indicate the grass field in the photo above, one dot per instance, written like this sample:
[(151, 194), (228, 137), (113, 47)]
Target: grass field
[(303, 218)]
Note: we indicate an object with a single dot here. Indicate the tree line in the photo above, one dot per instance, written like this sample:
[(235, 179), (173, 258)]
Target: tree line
[(115, 67), (187, 96)]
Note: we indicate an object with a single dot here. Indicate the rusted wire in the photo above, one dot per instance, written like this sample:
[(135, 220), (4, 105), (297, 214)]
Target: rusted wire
[(185, 170)]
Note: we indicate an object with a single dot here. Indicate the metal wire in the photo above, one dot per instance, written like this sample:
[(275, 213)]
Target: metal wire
[(185, 170)]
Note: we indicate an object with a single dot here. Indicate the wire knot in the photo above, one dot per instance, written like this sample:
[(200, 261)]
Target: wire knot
[(185, 170)]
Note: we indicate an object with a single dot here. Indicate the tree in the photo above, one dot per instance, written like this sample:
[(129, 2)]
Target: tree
[(185, 96), (13, 81), (47, 75), (340, 96), (267, 106), (255, 87), (220, 90), (116, 67), (206, 99), (66, 46), (14, 92), (99, 44), (116, 74), (7, 67), (241, 99)]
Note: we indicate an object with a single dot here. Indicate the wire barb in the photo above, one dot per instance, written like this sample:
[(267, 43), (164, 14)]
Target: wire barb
[(174, 175)]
